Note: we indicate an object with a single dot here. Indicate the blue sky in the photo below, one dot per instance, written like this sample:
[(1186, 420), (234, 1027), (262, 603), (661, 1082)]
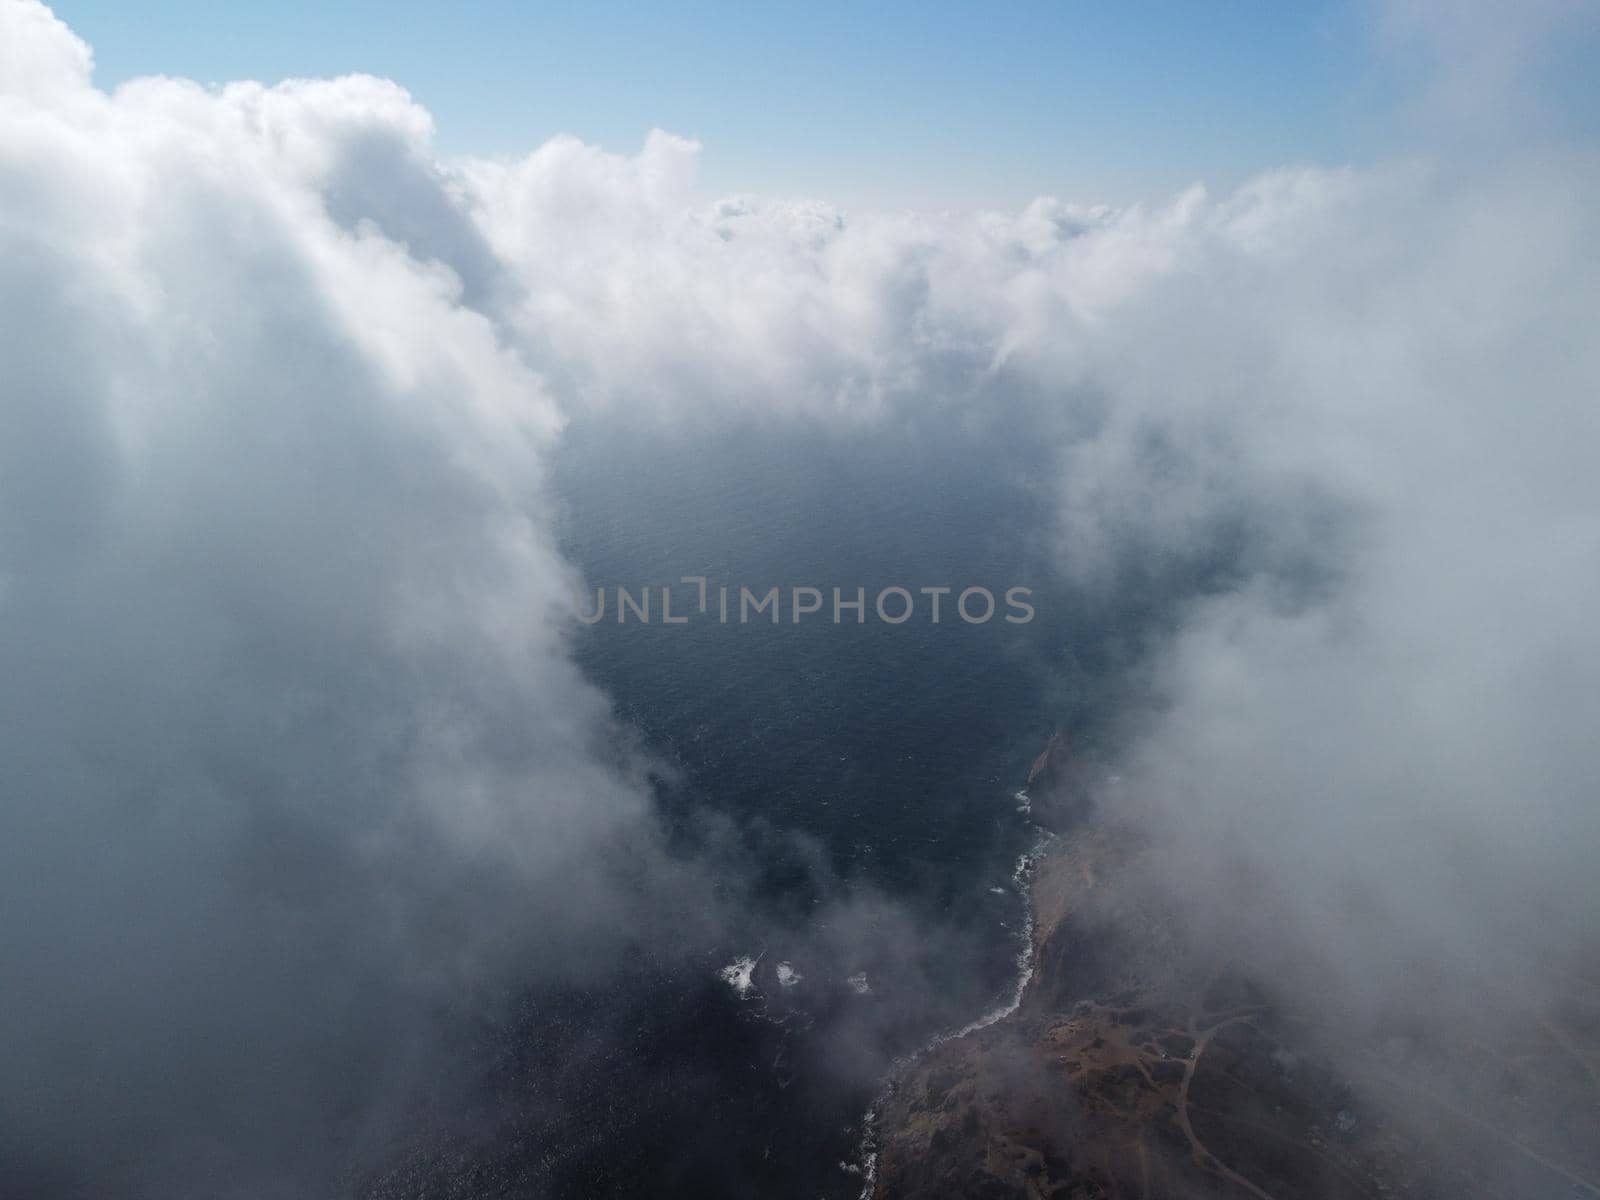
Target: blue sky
[(923, 104)]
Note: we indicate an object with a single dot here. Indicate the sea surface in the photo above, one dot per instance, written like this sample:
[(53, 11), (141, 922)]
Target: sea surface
[(858, 783)]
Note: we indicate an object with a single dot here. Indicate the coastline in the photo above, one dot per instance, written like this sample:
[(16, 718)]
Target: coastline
[(1022, 876), (1132, 1064), (1042, 772)]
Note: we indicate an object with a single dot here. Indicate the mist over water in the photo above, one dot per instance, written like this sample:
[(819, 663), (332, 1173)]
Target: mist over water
[(853, 760), (852, 785)]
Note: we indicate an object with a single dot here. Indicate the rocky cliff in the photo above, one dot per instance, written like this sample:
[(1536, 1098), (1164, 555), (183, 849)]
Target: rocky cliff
[(1134, 1067)]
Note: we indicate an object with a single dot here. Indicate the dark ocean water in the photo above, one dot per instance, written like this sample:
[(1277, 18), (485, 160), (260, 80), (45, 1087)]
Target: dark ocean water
[(861, 780)]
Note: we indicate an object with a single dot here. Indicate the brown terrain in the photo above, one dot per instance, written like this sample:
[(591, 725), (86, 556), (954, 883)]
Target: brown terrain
[(1133, 1070)]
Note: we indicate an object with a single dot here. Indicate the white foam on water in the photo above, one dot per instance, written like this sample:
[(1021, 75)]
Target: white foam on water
[(859, 984), (868, 1153), (787, 975), (739, 974), (1022, 882)]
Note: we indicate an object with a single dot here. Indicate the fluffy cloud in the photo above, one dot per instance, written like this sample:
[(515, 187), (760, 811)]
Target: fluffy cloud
[(294, 751), (1367, 747)]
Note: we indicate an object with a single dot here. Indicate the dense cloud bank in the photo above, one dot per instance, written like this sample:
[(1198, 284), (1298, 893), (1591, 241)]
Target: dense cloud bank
[(294, 754), (294, 751)]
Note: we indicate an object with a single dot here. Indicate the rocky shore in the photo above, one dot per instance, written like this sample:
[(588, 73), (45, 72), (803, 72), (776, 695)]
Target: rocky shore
[(1136, 1068)]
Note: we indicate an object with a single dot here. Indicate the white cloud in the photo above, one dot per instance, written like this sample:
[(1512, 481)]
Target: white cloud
[(294, 749)]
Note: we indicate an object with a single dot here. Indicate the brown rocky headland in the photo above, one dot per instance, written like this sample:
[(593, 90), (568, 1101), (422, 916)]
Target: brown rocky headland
[(1138, 1068)]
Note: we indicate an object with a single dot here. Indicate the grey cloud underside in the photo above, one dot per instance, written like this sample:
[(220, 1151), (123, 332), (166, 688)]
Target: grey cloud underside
[(295, 754)]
